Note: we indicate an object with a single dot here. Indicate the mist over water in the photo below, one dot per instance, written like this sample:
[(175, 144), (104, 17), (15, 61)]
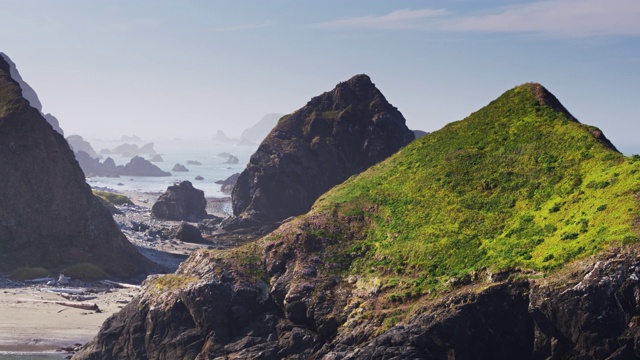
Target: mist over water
[(174, 152)]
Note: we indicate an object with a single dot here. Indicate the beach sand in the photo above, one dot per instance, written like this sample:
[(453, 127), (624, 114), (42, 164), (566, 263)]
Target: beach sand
[(29, 326)]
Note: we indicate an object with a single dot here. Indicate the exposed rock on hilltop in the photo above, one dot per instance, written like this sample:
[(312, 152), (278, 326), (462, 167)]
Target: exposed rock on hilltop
[(29, 94), (336, 135), (48, 214), (415, 258), (181, 202)]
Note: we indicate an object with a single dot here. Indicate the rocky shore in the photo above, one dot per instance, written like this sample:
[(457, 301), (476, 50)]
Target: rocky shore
[(31, 319)]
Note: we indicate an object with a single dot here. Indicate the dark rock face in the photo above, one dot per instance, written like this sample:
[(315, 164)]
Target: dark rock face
[(179, 168), (181, 202), (336, 135), (30, 95), (188, 233), (140, 167), (48, 214), (591, 314), (194, 162)]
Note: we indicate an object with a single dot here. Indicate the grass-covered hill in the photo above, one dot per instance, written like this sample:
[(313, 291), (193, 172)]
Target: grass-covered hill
[(518, 184), (501, 200)]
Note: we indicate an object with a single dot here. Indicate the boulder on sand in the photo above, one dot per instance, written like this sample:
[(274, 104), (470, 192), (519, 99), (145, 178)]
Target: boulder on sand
[(181, 202)]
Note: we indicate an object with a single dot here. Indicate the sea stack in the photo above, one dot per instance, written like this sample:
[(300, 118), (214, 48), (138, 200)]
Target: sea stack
[(336, 135), (48, 214)]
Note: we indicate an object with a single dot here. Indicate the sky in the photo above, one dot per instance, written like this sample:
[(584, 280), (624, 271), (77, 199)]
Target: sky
[(164, 69)]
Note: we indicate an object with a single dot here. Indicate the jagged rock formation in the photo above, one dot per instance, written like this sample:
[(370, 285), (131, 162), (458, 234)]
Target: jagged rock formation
[(30, 95), (232, 160), (181, 202), (415, 258), (138, 166), (128, 150), (228, 183), (156, 158), (221, 137), (48, 214), (257, 133), (179, 168), (336, 135), (194, 162), (77, 143)]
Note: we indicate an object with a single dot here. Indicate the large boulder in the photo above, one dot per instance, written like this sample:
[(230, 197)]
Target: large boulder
[(181, 202), (336, 135), (48, 214)]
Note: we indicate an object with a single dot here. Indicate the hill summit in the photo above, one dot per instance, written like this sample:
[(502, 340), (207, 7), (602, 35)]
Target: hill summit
[(511, 234), (336, 135)]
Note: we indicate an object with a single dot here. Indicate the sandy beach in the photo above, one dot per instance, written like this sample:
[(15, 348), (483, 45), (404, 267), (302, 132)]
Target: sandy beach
[(29, 324)]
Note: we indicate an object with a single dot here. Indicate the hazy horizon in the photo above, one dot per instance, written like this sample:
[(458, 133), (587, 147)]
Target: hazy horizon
[(163, 70)]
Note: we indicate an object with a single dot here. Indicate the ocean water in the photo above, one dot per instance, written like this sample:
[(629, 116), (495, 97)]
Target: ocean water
[(173, 152)]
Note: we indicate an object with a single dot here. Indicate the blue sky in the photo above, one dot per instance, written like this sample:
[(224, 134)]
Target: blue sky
[(189, 68)]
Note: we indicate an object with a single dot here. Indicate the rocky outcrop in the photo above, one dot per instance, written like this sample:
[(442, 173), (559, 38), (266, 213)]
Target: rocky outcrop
[(156, 158), (133, 149), (194, 162), (30, 95), (336, 135), (48, 214), (221, 137), (181, 202), (228, 183), (77, 143), (232, 160), (179, 168), (261, 129), (590, 312), (188, 233), (138, 166)]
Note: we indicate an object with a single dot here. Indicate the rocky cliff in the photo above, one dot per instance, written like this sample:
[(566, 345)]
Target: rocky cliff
[(48, 215), (29, 94), (336, 135), (512, 234)]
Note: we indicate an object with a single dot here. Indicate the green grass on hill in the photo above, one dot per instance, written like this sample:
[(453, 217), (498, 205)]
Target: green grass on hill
[(112, 198), (515, 185)]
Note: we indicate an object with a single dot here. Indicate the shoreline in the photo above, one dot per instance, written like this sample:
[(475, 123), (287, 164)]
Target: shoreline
[(30, 326)]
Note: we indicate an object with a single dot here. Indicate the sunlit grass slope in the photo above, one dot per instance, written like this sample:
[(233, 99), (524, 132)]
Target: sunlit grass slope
[(518, 183)]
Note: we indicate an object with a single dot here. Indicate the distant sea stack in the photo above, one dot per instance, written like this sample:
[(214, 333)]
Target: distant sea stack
[(261, 129), (29, 94), (48, 214), (336, 135)]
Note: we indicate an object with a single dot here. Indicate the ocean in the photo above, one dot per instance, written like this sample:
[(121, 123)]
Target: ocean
[(175, 152)]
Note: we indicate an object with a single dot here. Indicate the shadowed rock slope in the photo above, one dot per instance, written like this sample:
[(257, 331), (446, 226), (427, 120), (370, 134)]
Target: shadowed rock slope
[(337, 134), (48, 215), (511, 234)]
